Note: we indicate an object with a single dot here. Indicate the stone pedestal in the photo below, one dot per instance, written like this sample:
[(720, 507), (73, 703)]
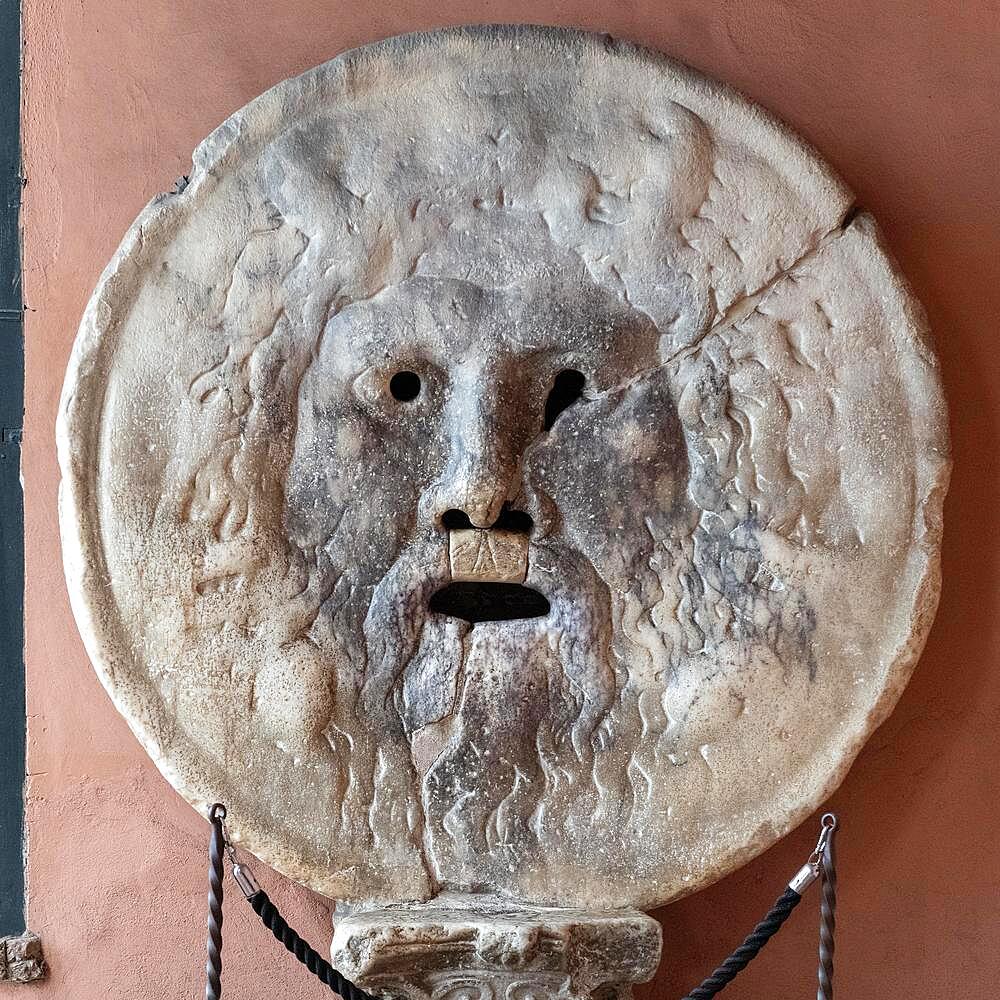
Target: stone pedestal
[(476, 948)]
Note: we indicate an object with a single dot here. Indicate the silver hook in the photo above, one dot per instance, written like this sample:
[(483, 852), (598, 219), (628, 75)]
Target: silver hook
[(828, 826), (242, 874), (809, 872)]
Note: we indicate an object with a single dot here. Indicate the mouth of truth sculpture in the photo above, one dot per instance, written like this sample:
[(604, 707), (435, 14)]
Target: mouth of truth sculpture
[(511, 466)]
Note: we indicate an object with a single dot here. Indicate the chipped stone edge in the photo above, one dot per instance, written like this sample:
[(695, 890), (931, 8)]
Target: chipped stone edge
[(416, 951), (21, 959)]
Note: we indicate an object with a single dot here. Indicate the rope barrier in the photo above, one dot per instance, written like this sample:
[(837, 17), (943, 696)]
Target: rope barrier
[(318, 966), (750, 948), (821, 864)]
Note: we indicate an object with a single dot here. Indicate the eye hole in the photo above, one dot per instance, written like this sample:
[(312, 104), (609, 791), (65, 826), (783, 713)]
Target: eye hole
[(405, 386), (566, 389)]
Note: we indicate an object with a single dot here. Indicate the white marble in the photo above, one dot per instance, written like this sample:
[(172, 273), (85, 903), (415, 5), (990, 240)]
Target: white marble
[(736, 526)]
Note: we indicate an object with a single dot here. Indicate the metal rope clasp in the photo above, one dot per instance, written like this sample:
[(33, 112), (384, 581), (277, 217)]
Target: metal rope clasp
[(241, 874), (810, 871)]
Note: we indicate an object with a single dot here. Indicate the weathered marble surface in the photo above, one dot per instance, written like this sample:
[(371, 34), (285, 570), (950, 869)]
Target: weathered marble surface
[(470, 949), (21, 959), (737, 526)]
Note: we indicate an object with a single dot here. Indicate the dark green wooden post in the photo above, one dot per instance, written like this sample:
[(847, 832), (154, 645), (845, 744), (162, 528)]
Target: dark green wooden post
[(12, 720)]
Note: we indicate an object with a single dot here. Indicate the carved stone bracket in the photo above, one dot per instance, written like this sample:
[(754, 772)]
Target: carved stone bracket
[(465, 948), (21, 959)]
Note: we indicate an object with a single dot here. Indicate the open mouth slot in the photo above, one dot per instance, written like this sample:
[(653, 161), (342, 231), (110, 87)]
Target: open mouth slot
[(489, 602)]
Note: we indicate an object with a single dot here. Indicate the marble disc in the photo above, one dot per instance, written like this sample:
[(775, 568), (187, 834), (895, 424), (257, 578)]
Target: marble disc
[(609, 319)]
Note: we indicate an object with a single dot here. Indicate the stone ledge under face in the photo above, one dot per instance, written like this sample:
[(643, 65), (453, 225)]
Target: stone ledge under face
[(465, 948), (21, 959)]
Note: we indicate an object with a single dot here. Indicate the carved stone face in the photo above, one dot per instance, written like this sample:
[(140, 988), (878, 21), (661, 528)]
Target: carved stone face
[(381, 481), (504, 473), (487, 360)]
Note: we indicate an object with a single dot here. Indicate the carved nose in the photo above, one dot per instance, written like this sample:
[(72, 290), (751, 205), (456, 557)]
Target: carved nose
[(482, 468), (478, 486), (473, 488)]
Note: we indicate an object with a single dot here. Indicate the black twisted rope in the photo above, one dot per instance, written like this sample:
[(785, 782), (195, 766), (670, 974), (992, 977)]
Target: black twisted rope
[(347, 990), (216, 848), (827, 922), (747, 951), (318, 966)]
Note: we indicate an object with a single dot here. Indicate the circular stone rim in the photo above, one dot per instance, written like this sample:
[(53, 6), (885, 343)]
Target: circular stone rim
[(105, 638)]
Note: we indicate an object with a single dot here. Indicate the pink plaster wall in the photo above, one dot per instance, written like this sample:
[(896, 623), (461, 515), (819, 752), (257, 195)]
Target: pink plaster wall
[(902, 98)]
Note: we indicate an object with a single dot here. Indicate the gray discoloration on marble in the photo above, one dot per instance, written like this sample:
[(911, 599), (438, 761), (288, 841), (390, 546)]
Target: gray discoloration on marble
[(737, 526)]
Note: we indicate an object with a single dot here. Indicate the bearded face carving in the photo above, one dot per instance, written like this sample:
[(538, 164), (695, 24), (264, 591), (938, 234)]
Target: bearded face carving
[(532, 497), (472, 448)]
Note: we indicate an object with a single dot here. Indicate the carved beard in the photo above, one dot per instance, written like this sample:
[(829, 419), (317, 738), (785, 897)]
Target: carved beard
[(439, 722), (479, 740), (478, 744), (516, 753)]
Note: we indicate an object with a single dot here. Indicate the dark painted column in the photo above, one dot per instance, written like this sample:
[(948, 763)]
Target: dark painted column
[(12, 722)]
